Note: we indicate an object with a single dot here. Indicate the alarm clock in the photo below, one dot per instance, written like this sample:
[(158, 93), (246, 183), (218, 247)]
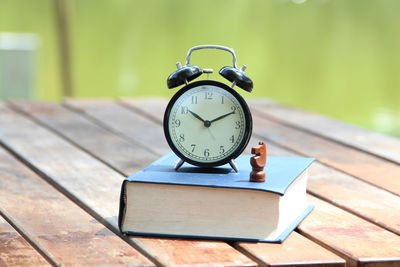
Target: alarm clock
[(207, 123)]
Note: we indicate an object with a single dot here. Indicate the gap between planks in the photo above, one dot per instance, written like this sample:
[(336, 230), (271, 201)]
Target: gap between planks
[(358, 215), (327, 256), (76, 200), (15, 107), (286, 147), (142, 106), (100, 123), (56, 224), (370, 169), (33, 257), (283, 114), (382, 168), (113, 228), (81, 204)]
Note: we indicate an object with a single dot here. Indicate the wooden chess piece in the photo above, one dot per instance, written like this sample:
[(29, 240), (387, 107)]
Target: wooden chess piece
[(258, 162)]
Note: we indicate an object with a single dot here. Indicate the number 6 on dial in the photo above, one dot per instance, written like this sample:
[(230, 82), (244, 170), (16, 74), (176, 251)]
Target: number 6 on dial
[(207, 123)]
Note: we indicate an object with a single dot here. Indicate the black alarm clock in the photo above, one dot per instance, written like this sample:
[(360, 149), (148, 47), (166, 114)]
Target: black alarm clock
[(207, 123)]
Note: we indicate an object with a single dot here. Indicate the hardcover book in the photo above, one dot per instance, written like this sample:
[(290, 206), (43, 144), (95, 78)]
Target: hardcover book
[(215, 203)]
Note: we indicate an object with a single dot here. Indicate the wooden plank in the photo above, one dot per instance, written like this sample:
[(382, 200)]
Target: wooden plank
[(371, 142), (334, 186), (320, 255), (366, 167), (353, 195), (153, 108), (376, 210), (15, 250), (128, 126), (287, 253), (361, 242), (56, 225), (119, 153), (360, 198), (96, 188)]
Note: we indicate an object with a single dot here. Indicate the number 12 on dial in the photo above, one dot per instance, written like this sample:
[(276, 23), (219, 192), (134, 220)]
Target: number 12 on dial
[(207, 124)]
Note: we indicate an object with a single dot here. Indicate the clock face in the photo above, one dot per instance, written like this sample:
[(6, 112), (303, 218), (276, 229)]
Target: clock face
[(207, 123)]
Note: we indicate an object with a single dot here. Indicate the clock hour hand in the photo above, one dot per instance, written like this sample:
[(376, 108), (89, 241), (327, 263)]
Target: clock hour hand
[(223, 116), (195, 115)]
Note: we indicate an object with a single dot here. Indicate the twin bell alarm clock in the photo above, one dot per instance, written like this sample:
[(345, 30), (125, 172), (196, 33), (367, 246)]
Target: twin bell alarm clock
[(207, 123)]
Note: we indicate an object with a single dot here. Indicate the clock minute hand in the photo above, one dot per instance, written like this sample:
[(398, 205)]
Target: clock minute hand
[(223, 116), (195, 115)]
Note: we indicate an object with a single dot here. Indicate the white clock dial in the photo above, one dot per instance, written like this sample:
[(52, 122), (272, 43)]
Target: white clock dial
[(207, 124)]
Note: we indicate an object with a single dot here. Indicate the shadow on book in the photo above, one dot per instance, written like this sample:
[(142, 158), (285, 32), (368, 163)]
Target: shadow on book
[(205, 170)]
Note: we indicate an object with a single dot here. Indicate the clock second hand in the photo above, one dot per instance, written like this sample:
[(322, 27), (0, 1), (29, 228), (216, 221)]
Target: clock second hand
[(213, 136), (207, 123)]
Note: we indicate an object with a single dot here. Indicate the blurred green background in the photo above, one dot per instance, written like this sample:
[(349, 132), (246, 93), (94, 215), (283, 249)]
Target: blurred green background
[(336, 57)]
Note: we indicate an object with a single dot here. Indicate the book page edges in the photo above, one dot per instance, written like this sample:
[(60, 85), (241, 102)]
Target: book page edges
[(200, 211), (279, 222), (279, 239), (294, 202)]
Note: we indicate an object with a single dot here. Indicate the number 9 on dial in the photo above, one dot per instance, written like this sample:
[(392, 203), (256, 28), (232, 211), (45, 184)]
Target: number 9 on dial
[(207, 124)]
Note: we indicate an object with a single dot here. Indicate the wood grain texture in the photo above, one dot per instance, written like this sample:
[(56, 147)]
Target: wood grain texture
[(15, 250), (71, 170), (119, 153), (297, 249), (132, 126), (358, 240), (366, 167), (327, 183), (64, 231), (195, 253), (343, 243), (371, 142), (96, 188), (286, 253), (352, 194), (153, 108), (358, 197)]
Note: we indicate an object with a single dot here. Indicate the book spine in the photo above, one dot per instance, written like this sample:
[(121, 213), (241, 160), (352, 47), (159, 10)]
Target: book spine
[(122, 205)]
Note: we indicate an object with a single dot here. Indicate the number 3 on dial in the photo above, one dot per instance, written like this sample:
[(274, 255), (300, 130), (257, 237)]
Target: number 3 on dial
[(207, 124)]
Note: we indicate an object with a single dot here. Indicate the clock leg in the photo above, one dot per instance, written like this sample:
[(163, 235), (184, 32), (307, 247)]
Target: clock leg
[(233, 165), (179, 164)]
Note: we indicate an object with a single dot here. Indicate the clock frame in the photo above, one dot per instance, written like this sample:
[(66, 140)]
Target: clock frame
[(231, 156)]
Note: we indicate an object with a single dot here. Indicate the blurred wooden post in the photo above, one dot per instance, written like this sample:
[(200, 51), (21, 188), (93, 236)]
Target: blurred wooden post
[(63, 9)]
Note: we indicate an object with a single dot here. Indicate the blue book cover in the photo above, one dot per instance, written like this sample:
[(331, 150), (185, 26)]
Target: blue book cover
[(281, 172)]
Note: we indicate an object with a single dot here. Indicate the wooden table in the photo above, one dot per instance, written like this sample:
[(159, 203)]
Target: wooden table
[(61, 168)]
